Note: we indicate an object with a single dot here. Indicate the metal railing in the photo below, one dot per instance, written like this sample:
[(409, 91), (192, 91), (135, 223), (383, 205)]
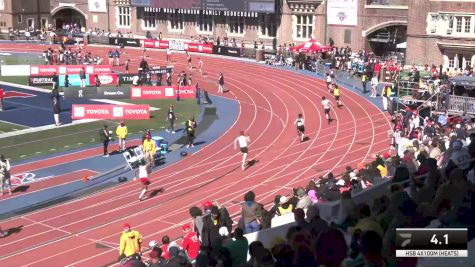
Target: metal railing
[(461, 104)]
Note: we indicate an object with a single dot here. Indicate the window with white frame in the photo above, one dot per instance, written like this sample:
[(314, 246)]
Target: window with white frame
[(123, 13), (303, 26), (433, 24), (236, 25), (451, 61), (150, 19), (267, 25), (467, 24), (458, 25), (205, 23), (176, 21)]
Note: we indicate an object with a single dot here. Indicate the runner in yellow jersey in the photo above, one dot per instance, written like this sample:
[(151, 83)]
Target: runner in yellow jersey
[(337, 93)]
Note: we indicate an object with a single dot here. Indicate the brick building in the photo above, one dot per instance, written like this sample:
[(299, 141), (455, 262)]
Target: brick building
[(436, 31)]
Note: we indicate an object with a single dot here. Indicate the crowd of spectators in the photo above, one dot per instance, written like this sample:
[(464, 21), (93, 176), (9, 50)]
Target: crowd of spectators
[(64, 56)]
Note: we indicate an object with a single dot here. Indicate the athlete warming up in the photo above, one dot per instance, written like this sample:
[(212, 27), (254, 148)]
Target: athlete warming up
[(299, 122), (243, 141), (143, 178), (326, 107)]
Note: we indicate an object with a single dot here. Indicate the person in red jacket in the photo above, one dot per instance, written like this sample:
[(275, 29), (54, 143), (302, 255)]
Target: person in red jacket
[(191, 243), (164, 247), (1, 99)]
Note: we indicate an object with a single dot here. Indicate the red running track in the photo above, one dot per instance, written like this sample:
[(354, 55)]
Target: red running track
[(270, 99)]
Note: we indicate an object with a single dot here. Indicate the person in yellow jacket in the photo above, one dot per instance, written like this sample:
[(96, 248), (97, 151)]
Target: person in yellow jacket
[(130, 243), (149, 149), (336, 94), (121, 132)]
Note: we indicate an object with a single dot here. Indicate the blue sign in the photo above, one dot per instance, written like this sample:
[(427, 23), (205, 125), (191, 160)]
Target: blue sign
[(143, 3)]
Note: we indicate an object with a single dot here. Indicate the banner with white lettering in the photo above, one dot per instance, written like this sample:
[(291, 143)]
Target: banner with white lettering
[(97, 92), (48, 70), (111, 112), (161, 92), (199, 48), (40, 80), (160, 44)]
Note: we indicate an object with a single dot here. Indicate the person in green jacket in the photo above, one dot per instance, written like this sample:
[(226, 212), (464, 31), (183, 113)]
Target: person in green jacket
[(238, 248)]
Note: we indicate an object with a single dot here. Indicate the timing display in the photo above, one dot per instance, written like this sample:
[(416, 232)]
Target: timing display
[(431, 242)]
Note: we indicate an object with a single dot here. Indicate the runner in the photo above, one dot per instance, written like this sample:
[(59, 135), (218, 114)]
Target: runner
[(328, 79), (127, 63), (299, 122), (169, 55), (200, 66), (326, 107), (143, 178), (3, 233), (5, 174), (188, 58), (337, 93), (243, 141), (190, 131), (121, 132)]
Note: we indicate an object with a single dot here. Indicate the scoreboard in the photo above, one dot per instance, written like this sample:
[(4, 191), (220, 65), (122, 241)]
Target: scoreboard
[(431, 242)]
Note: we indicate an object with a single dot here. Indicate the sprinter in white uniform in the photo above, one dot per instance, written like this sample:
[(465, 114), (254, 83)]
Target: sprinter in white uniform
[(243, 141), (299, 122)]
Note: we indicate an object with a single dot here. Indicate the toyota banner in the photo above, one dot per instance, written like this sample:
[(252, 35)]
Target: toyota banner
[(199, 48), (49, 70), (111, 112), (160, 92), (149, 43)]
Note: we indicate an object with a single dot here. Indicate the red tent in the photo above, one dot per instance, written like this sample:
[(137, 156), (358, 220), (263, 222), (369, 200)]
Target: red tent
[(312, 46)]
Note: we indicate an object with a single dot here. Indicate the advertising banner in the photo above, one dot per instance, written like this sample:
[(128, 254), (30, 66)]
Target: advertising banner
[(161, 92), (98, 69), (126, 78), (106, 79), (97, 92), (227, 51), (342, 12), (200, 48), (48, 70), (74, 80), (148, 43), (43, 70), (111, 112), (97, 6), (80, 93), (40, 80), (125, 41), (160, 70), (113, 92), (177, 45)]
